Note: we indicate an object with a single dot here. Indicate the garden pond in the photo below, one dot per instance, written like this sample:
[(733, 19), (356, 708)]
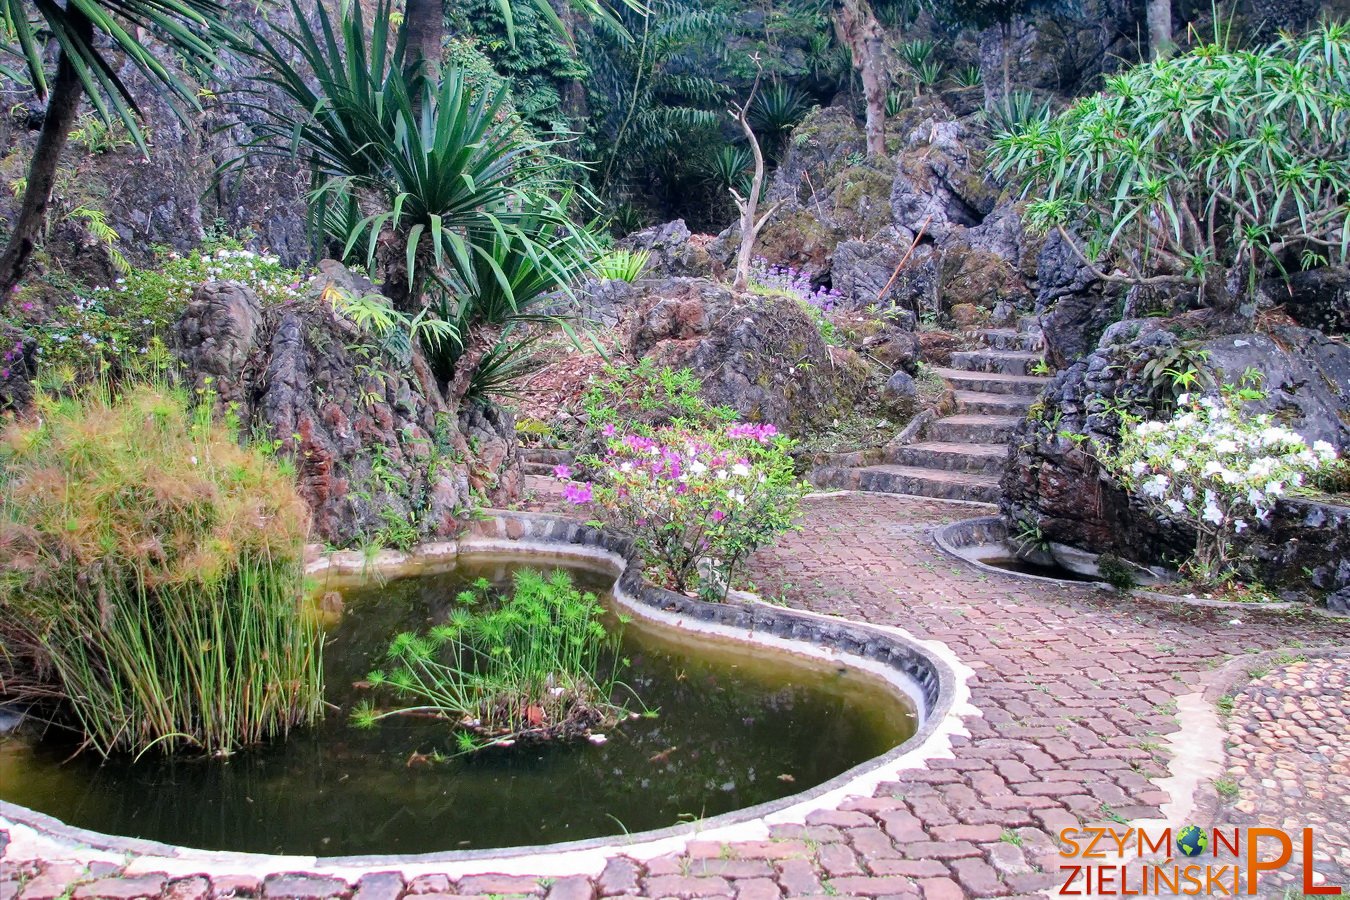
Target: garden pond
[(733, 726)]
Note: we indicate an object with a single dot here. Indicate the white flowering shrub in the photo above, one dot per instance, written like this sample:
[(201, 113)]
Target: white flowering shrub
[(113, 324), (1218, 469)]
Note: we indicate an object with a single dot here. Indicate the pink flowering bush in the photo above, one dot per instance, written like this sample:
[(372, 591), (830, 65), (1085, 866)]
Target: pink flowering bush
[(697, 501)]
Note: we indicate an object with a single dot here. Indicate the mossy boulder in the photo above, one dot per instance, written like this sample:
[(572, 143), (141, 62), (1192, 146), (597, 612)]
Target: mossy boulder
[(764, 356)]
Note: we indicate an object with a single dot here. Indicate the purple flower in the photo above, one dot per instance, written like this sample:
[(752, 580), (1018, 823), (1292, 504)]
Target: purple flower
[(718, 515), (562, 472), (608, 430), (578, 493)]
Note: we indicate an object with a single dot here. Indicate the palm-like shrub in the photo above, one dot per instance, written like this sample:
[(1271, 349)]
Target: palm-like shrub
[(83, 31), (1208, 170), (152, 576), (422, 180), (777, 109)]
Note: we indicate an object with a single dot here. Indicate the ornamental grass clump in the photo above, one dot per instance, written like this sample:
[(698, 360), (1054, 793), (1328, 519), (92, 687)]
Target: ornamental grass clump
[(697, 502), (1219, 470), (530, 668), (152, 571)]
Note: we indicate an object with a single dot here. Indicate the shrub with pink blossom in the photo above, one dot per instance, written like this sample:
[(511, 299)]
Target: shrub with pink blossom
[(697, 502)]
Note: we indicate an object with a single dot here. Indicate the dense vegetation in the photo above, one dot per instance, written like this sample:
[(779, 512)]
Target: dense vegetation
[(151, 571)]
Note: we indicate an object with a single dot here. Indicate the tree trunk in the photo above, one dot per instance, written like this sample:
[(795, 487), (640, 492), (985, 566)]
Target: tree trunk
[(424, 24), (859, 30), (1006, 52), (62, 109), (1159, 29), (575, 105)]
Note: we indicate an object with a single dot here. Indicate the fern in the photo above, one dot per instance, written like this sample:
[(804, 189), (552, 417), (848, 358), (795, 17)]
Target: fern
[(96, 221)]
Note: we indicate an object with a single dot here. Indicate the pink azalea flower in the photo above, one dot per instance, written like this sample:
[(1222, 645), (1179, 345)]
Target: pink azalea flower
[(563, 472)]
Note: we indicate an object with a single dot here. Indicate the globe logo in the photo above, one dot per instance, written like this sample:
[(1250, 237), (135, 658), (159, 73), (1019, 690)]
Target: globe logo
[(1192, 840)]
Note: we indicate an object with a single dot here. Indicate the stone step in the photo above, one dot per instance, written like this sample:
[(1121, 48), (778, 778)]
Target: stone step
[(892, 479), (949, 456), (1029, 323), (974, 429), (993, 383), (1012, 339), (1002, 362), (978, 403), (534, 467)]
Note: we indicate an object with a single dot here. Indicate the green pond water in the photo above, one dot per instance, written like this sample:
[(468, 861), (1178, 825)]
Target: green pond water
[(736, 727)]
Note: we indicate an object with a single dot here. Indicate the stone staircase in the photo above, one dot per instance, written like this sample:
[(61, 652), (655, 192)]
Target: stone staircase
[(961, 456)]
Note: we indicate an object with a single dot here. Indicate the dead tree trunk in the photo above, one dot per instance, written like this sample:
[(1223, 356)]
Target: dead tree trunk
[(751, 222)]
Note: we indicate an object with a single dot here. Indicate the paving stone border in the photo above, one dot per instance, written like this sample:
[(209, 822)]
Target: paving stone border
[(957, 536), (924, 672)]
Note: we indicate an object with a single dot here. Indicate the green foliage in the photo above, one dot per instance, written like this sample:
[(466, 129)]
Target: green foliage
[(652, 97), (152, 573), (98, 136), (120, 326), (537, 65), (1168, 372), (529, 667), (189, 30), (1015, 111), (458, 210), (622, 265), (644, 396), (1115, 572), (1209, 169)]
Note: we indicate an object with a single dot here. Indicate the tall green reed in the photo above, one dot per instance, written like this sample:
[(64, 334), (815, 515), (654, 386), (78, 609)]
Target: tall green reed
[(152, 569)]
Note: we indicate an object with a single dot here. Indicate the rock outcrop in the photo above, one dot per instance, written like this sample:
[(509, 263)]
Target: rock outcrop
[(374, 459), (1054, 482), (762, 356)]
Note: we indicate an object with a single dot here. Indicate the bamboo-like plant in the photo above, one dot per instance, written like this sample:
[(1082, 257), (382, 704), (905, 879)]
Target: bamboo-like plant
[(152, 577), (1209, 170), (529, 667)]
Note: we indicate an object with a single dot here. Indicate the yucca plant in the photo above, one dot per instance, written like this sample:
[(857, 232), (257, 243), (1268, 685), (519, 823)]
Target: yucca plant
[(1208, 170), (1015, 111), (152, 574), (968, 77), (929, 73), (916, 52), (622, 265), (82, 33), (895, 102), (423, 180), (729, 168), (777, 109)]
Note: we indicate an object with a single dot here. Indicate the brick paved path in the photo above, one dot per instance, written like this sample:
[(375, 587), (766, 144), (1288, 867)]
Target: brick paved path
[(1077, 689), (1289, 766)]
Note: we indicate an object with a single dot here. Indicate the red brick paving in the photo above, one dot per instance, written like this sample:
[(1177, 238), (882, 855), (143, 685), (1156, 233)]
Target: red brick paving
[(1075, 686)]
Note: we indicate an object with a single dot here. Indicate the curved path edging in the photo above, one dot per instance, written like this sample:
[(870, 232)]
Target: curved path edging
[(947, 537), (892, 654)]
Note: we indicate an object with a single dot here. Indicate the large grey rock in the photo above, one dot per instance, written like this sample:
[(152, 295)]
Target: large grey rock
[(214, 336), (1055, 482), (1319, 298), (673, 251), (762, 356), (1074, 306)]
